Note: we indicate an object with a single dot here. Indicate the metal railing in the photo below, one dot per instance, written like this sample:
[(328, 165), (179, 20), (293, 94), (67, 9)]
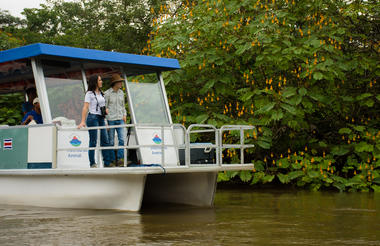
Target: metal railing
[(207, 128), (187, 146), (241, 146)]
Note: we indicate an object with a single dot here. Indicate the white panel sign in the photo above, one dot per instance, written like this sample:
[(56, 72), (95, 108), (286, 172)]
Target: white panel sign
[(153, 155), (73, 158), (41, 144)]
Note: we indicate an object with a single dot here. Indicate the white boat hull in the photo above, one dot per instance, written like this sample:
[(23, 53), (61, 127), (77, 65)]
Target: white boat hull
[(111, 188), (108, 191)]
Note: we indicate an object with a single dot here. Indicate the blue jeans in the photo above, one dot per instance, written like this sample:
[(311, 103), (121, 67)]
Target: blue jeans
[(120, 137), (97, 120)]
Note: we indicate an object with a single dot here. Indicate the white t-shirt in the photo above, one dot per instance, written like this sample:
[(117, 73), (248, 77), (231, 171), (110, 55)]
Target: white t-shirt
[(90, 98)]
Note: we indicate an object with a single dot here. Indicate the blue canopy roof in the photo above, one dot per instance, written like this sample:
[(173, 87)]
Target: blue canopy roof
[(136, 61)]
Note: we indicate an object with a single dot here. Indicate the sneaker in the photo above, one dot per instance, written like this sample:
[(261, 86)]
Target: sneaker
[(120, 163), (112, 164), (93, 165)]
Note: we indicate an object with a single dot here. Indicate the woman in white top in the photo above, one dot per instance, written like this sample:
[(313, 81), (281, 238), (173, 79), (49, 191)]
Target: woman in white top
[(93, 102)]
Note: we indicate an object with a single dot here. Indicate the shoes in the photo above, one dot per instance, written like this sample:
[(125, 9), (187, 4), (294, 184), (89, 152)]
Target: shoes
[(93, 165), (120, 163), (112, 164)]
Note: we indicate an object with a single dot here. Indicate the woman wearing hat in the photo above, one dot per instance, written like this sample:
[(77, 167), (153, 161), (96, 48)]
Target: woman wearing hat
[(117, 115)]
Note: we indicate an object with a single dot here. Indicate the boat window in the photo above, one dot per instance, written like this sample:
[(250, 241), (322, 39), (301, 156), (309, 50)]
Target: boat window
[(147, 100), (15, 76), (64, 88), (104, 71)]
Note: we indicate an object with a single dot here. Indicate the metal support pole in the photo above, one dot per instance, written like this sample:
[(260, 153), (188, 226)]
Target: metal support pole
[(162, 146), (41, 90), (165, 97), (97, 148), (241, 145), (125, 151), (187, 148), (221, 147), (84, 79), (217, 149)]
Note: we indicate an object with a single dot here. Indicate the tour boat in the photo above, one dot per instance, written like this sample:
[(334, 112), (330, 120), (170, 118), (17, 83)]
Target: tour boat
[(47, 164)]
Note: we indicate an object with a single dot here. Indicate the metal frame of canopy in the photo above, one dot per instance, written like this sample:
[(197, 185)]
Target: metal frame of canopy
[(130, 65)]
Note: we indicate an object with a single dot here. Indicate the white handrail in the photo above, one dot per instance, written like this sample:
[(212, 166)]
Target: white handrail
[(241, 146), (218, 146), (188, 147)]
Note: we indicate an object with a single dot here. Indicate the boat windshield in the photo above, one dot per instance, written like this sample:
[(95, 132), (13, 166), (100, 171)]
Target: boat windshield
[(148, 102), (64, 88)]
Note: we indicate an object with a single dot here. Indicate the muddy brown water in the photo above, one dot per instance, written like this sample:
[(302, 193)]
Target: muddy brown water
[(239, 217)]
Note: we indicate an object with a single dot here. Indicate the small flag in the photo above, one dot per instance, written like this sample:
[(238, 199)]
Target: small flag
[(7, 143)]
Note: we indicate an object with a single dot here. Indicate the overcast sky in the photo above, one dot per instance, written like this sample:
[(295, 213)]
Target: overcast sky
[(15, 7)]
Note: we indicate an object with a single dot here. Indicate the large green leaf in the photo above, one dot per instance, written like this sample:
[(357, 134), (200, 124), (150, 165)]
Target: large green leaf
[(266, 108), (340, 150), (277, 115), (295, 174), (245, 175), (318, 76), (313, 174), (289, 91), (289, 108), (259, 165), (268, 178), (344, 131), (257, 177), (363, 147), (294, 100), (284, 178), (302, 91), (201, 118), (263, 144), (376, 188), (363, 96), (358, 128), (369, 103), (222, 177)]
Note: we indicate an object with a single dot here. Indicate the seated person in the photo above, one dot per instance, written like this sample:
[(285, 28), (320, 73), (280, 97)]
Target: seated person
[(31, 94), (35, 114)]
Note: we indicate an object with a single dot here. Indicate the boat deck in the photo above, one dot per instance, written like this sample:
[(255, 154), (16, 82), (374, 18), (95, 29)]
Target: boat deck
[(129, 170)]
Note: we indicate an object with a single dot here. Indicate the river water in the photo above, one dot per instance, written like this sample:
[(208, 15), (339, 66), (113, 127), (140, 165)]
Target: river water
[(239, 217)]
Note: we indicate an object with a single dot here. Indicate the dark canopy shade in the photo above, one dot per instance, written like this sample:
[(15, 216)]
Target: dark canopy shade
[(136, 62)]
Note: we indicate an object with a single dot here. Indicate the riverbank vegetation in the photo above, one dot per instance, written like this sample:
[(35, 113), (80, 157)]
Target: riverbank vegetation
[(305, 73)]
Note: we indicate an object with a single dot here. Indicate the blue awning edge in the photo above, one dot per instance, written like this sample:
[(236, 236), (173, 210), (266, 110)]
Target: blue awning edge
[(38, 49)]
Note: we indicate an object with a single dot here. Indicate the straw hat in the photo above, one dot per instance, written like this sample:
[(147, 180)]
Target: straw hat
[(116, 78), (36, 100)]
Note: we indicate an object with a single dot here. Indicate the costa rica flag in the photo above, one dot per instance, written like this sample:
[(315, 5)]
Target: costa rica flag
[(7, 143)]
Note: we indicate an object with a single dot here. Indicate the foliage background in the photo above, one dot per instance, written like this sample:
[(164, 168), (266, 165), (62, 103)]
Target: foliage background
[(305, 73)]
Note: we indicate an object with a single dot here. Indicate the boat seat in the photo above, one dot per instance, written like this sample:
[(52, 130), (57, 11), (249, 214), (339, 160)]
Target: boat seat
[(64, 122)]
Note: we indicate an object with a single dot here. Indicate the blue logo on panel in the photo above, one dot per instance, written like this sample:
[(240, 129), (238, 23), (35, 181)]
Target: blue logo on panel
[(75, 141), (156, 139)]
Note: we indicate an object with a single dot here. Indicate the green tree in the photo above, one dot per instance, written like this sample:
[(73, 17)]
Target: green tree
[(119, 25), (304, 72), (8, 24)]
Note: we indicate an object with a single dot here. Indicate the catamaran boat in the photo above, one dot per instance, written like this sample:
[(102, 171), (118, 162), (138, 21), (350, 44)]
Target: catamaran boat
[(47, 164)]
